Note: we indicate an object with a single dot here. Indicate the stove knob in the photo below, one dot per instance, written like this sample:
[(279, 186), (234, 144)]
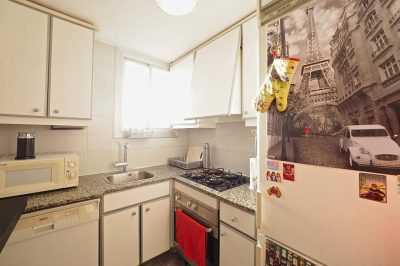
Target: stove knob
[(194, 206), (177, 197), (188, 204)]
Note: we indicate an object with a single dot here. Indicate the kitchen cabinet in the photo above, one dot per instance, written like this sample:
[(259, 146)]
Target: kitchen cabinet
[(136, 224), (215, 88), (156, 220), (71, 63), (237, 236), (23, 60), (236, 249), (45, 66), (121, 238), (250, 77)]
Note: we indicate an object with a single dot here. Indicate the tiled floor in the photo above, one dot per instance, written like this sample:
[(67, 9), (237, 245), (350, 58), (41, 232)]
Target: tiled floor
[(167, 259)]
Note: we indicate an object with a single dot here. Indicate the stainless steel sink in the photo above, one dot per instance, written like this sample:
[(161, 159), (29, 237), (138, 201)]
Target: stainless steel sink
[(128, 177)]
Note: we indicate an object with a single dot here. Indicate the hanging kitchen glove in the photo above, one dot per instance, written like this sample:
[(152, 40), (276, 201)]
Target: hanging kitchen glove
[(266, 93), (277, 85), (285, 68)]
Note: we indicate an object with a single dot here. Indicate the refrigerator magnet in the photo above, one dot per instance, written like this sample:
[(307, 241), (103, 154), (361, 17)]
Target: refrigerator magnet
[(288, 171), (373, 187), (273, 176), (272, 165)]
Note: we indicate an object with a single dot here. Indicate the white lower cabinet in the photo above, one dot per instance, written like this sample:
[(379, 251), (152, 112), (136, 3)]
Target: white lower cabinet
[(136, 225), (121, 240), (236, 249), (155, 228)]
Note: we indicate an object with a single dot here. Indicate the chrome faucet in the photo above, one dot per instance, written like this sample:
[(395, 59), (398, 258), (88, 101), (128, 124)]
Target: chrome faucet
[(123, 164)]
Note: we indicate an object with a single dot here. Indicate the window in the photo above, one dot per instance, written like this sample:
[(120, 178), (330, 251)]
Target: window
[(380, 41), (357, 79), (358, 133), (364, 4), (135, 95), (394, 8), (390, 68), (149, 99), (371, 21), (347, 133)]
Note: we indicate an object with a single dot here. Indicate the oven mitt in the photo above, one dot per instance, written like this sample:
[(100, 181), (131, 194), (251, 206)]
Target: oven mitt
[(277, 85), (266, 93), (286, 68)]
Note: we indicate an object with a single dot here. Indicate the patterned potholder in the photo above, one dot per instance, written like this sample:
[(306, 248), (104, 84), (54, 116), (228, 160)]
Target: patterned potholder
[(277, 85)]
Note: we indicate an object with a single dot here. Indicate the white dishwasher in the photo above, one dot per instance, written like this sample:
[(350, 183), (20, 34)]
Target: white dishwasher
[(63, 236)]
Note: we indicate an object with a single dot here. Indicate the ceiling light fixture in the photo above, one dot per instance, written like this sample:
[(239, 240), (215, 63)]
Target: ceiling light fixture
[(177, 7)]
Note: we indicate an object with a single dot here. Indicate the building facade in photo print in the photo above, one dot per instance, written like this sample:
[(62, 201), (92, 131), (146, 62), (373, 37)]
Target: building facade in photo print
[(344, 103)]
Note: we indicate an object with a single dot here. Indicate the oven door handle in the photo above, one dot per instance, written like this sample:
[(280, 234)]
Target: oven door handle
[(208, 230)]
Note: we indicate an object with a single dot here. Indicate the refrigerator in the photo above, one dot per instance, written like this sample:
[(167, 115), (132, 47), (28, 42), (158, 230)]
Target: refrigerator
[(336, 147)]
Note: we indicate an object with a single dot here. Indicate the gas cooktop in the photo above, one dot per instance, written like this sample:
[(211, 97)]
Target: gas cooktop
[(216, 178)]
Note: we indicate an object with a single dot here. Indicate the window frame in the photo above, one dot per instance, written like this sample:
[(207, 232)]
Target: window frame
[(120, 55), (385, 68)]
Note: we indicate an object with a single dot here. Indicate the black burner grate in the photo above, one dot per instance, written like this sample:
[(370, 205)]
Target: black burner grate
[(216, 178)]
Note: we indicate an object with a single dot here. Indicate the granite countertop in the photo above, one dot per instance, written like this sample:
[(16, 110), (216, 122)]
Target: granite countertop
[(94, 186)]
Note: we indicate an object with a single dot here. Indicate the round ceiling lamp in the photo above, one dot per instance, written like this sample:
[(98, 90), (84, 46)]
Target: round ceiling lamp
[(177, 7)]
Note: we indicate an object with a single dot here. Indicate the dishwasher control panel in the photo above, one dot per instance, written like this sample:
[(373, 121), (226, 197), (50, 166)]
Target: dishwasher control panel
[(53, 220)]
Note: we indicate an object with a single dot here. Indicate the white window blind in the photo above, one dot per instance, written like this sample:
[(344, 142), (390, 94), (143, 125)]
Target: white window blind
[(135, 90), (152, 98)]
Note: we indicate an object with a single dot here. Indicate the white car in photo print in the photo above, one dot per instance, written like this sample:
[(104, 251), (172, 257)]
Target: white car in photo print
[(370, 145)]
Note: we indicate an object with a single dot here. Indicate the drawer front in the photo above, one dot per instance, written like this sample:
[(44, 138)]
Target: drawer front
[(134, 196), (203, 198), (241, 220)]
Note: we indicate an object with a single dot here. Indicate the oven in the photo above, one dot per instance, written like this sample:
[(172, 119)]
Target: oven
[(204, 215)]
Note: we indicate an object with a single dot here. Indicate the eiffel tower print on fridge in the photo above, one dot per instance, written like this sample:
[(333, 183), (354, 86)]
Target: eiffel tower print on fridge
[(342, 122), (348, 81)]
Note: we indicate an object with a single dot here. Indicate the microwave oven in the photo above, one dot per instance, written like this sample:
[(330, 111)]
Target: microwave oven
[(45, 172)]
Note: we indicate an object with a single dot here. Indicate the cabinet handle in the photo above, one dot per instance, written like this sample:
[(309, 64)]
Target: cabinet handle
[(147, 209), (233, 219), (223, 234), (36, 110), (56, 111), (133, 213)]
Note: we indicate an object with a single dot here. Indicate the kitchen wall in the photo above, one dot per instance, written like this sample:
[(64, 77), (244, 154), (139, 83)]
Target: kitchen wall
[(94, 145), (231, 145)]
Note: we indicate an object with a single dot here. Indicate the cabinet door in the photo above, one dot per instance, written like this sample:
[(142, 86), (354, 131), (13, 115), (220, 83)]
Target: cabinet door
[(121, 238), (250, 51), (156, 220), (214, 77), (71, 70), (23, 60), (235, 248)]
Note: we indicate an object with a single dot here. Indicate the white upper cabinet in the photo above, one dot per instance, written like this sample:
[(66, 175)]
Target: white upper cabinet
[(23, 60), (215, 89), (71, 70), (250, 77)]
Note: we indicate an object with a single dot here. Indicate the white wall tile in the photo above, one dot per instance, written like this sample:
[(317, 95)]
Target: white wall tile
[(231, 145), (74, 143)]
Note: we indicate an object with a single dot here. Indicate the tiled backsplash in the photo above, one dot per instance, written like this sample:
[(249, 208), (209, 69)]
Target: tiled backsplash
[(231, 144)]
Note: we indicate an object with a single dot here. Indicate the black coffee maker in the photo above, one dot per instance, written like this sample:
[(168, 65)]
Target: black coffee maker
[(25, 146)]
